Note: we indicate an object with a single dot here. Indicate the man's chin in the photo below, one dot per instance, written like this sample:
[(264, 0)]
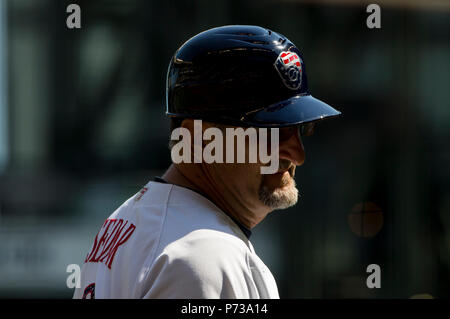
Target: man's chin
[(282, 197)]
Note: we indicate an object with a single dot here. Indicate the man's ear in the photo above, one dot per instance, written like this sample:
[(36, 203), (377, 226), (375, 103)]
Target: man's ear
[(189, 124), (206, 125), (196, 150)]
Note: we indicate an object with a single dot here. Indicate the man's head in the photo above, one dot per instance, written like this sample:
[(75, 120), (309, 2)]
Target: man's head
[(245, 77)]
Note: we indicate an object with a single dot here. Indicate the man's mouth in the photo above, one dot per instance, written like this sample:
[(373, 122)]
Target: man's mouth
[(282, 172), (286, 174), (284, 166), (283, 177), (290, 169)]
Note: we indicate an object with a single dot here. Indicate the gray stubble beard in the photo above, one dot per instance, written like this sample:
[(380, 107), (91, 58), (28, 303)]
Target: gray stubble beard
[(278, 198)]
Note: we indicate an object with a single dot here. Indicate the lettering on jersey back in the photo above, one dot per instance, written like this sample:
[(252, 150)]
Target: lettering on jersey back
[(113, 234), (89, 292)]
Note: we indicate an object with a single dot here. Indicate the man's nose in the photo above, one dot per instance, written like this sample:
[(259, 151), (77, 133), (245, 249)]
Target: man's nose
[(292, 150)]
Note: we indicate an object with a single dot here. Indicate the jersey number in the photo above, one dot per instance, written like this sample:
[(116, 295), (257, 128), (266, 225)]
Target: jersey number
[(89, 291)]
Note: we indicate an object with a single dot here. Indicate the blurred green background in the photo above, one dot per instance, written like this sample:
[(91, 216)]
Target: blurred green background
[(82, 128)]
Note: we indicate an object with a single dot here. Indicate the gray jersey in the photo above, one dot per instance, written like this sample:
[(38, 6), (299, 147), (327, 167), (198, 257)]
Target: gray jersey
[(170, 242)]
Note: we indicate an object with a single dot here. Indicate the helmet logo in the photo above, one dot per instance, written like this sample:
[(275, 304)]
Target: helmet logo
[(289, 67)]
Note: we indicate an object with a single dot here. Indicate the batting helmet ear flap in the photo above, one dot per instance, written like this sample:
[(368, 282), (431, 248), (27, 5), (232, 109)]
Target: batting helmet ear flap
[(243, 76)]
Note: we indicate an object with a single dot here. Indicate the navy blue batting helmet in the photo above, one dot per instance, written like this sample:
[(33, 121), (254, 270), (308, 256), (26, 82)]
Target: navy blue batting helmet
[(243, 76)]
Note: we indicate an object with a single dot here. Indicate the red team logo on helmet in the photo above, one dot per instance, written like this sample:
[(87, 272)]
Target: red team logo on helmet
[(289, 66)]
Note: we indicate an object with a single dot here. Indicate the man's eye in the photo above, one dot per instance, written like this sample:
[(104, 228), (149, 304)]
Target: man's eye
[(307, 129)]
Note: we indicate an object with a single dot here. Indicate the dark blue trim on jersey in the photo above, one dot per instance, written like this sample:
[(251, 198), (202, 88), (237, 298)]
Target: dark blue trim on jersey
[(247, 232)]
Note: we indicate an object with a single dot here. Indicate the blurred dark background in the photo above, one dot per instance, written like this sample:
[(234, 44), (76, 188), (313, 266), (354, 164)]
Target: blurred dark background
[(82, 128)]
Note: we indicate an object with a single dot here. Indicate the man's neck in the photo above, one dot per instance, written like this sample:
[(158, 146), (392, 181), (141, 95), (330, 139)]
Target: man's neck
[(196, 180)]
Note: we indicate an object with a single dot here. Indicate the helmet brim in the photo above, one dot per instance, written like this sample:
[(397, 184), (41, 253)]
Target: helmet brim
[(296, 110)]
